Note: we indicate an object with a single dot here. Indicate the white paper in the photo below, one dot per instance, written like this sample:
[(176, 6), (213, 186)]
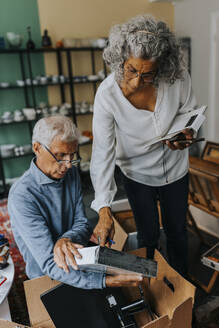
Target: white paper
[(88, 255), (181, 122)]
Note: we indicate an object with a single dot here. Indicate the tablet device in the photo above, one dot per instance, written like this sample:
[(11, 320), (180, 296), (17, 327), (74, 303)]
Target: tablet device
[(69, 306)]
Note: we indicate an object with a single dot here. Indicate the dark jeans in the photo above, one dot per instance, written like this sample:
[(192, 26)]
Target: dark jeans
[(173, 204)]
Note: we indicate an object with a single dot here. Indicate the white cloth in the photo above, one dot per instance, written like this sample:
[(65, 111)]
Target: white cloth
[(120, 132)]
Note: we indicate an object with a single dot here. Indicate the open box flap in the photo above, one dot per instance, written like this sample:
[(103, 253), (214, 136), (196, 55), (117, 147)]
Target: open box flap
[(164, 300), (172, 307), (120, 236), (182, 317), (161, 322), (37, 312), (168, 299)]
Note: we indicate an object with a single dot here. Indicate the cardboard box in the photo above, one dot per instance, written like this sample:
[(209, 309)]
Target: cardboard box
[(174, 308)]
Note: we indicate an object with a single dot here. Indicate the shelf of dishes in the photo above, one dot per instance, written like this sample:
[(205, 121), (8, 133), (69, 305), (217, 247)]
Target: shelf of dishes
[(47, 80), (44, 110), (9, 151), (84, 169), (15, 43)]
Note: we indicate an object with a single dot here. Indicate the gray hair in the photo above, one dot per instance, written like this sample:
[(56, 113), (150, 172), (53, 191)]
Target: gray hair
[(46, 129), (145, 37)]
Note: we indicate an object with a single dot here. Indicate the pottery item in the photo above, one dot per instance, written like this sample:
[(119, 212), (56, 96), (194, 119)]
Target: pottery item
[(43, 79), (101, 74), (62, 78), (55, 78), (4, 84), (8, 117), (59, 44), (45, 112), (101, 42), (29, 113), (54, 110), (71, 43), (20, 83), (64, 110), (83, 139), (46, 40), (84, 107), (14, 39), (18, 151), (30, 44), (27, 148), (28, 81), (7, 150), (93, 77), (4, 251), (18, 116), (77, 107)]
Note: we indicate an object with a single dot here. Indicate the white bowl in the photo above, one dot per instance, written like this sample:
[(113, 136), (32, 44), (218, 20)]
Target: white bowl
[(93, 77), (14, 39), (20, 83), (29, 113), (7, 150), (4, 84)]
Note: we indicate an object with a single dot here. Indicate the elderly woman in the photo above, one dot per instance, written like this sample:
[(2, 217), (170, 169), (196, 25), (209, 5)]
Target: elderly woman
[(148, 87)]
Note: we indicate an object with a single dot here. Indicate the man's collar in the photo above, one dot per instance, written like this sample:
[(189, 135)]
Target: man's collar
[(41, 177)]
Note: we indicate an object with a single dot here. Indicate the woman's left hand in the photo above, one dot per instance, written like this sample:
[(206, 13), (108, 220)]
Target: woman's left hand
[(186, 134)]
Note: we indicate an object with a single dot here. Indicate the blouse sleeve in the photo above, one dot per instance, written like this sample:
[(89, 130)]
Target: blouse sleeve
[(103, 153), (187, 97)]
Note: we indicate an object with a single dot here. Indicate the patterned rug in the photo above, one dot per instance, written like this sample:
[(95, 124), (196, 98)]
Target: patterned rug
[(16, 297)]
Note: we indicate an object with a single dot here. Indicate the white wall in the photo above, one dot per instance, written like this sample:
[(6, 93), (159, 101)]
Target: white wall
[(193, 19)]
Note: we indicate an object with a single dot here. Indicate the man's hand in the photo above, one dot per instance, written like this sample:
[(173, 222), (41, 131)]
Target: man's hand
[(65, 249), (105, 227), (124, 280), (186, 134)]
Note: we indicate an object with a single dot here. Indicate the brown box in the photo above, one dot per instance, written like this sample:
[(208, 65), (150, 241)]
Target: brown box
[(174, 308)]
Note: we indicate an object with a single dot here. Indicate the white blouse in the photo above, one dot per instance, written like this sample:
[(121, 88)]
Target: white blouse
[(120, 132)]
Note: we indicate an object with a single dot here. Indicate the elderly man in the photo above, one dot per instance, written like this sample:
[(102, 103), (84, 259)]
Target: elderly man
[(46, 210)]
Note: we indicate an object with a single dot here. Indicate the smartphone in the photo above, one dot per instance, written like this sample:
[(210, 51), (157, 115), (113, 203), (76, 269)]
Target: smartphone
[(189, 141)]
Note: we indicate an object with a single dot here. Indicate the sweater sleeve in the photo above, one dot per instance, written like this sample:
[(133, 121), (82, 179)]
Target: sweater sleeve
[(103, 153), (28, 222), (187, 97)]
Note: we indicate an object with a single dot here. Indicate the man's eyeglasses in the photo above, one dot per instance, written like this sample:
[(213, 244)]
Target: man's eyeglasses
[(64, 161), (147, 77)]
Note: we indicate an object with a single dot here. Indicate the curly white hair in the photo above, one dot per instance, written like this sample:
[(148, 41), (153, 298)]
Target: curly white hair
[(145, 37)]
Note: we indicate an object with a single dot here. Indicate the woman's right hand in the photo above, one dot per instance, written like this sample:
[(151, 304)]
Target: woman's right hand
[(104, 229), (124, 280)]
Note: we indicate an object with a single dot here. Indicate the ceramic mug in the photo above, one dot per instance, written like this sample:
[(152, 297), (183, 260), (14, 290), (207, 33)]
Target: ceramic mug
[(4, 251)]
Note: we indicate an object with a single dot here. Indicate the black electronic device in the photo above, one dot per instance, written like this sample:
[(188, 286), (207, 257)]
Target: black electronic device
[(81, 308)]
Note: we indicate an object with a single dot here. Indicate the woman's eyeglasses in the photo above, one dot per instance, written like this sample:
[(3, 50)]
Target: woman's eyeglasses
[(64, 161), (147, 77)]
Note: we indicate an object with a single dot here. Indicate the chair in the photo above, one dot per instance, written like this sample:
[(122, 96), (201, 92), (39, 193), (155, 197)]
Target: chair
[(204, 194), (203, 188)]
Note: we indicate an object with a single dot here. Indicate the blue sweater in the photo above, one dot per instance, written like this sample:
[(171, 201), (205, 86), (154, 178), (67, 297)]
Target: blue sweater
[(42, 211)]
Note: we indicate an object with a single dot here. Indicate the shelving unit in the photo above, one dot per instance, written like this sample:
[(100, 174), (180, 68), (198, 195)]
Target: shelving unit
[(25, 57)]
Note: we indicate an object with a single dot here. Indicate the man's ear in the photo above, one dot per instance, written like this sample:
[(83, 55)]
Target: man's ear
[(37, 148)]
